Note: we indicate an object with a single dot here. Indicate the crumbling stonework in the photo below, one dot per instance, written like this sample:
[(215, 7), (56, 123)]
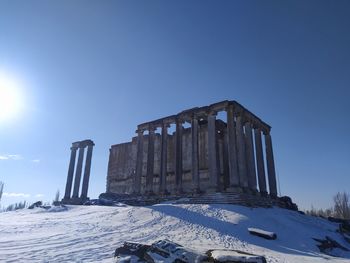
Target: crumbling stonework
[(211, 155), (76, 197)]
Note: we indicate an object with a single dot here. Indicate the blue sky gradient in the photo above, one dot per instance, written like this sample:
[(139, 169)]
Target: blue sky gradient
[(96, 69)]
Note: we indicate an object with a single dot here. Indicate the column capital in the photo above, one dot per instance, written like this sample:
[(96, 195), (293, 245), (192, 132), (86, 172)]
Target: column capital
[(266, 131), (249, 123), (257, 127), (87, 142), (165, 124), (179, 120), (75, 145), (195, 116), (230, 106), (212, 112), (140, 131), (152, 129)]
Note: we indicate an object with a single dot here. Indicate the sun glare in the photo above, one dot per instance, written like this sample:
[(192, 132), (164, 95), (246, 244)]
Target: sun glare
[(10, 98)]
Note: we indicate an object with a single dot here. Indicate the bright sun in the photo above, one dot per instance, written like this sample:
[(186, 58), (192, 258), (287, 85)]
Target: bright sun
[(10, 98)]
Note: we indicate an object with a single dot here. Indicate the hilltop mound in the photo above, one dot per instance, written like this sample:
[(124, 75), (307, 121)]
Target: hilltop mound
[(92, 233)]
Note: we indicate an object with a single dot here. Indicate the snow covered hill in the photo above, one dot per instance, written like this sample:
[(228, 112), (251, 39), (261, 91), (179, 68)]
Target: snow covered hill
[(92, 233)]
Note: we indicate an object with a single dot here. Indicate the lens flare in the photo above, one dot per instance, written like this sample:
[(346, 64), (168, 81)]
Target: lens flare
[(10, 98)]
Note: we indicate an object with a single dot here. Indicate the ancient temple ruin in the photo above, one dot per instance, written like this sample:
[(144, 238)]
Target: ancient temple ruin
[(203, 154), (77, 198)]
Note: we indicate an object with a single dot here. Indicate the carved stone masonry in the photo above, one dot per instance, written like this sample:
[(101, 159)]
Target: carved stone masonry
[(213, 154), (74, 198)]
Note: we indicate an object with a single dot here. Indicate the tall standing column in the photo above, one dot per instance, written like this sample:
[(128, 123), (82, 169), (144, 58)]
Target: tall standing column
[(78, 172), (195, 159), (260, 162), (225, 163), (241, 154), (70, 172), (178, 156), (163, 160), (139, 162), (86, 178), (270, 165), (232, 151), (150, 161), (212, 154), (252, 183)]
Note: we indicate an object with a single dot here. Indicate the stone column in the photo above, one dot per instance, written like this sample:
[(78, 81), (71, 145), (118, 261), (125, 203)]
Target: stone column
[(68, 191), (163, 160), (232, 150), (260, 162), (241, 154), (195, 159), (78, 172), (139, 162), (270, 166), (86, 178), (252, 184), (226, 168), (178, 156), (212, 154), (150, 161)]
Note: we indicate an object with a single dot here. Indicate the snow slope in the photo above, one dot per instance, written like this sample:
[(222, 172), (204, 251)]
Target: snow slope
[(92, 233)]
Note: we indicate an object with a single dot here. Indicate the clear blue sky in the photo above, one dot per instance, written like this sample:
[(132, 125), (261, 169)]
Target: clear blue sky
[(96, 69)]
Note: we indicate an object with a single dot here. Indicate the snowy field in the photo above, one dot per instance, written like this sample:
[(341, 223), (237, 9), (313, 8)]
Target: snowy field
[(92, 233)]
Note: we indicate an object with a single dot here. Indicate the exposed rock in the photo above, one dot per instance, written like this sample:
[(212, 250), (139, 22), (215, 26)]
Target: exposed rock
[(161, 251), (56, 203), (262, 233), (36, 204), (170, 252), (288, 203), (131, 251), (328, 245)]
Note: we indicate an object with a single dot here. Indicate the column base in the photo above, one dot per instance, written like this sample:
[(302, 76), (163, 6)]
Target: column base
[(234, 189), (264, 194), (150, 193), (73, 201), (246, 190), (84, 199), (273, 196), (164, 193), (212, 190), (65, 200), (196, 190), (253, 191), (136, 193), (179, 191)]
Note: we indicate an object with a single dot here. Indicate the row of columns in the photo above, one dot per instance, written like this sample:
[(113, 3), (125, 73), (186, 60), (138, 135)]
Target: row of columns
[(240, 150), (68, 196)]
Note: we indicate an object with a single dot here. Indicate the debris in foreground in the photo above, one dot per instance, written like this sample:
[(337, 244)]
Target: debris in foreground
[(262, 233), (328, 246), (168, 252), (227, 255)]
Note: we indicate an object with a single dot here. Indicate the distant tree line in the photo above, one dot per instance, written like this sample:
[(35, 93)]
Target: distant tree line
[(340, 209), (16, 206), (24, 204), (11, 207)]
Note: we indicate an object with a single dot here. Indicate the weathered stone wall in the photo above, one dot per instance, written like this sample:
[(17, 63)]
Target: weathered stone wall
[(122, 163), (229, 156)]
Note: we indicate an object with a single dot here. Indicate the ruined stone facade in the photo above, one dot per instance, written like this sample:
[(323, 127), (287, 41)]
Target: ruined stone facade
[(76, 197), (204, 154)]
